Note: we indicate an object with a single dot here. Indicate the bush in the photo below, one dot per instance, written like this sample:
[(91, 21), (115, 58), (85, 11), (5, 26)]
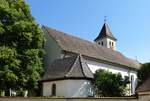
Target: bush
[(108, 84), (143, 73)]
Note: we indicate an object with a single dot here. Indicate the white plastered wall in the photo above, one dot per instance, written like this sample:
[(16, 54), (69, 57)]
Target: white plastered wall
[(110, 46), (106, 43), (69, 88), (114, 69), (52, 50)]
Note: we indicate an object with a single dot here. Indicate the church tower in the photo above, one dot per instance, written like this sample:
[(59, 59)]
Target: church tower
[(106, 38)]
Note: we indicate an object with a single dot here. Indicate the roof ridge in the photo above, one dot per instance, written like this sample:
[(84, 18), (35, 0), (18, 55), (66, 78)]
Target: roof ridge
[(88, 68), (81, 65), (72, 67), (81, 59)]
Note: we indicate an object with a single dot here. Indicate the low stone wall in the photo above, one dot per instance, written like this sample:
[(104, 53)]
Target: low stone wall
[(143, 97), (68, 99)]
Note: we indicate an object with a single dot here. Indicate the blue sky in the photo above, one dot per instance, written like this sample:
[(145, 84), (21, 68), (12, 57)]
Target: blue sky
[(129, 21)]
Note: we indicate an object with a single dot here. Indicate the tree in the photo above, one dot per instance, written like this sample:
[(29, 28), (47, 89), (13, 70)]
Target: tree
[(143, 73), (21, 46), (109, 84), (9, 66)]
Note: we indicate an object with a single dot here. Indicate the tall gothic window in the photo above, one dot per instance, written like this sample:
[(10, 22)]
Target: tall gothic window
[(102, 43), (54, 89), (132, 84)]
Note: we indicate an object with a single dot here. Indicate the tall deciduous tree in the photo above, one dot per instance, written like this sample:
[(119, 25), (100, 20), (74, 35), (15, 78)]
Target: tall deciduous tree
[(21, 46), (109, 84)]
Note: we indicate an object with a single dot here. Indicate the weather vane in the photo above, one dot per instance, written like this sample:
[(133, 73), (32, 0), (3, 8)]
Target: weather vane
[(105, 19)]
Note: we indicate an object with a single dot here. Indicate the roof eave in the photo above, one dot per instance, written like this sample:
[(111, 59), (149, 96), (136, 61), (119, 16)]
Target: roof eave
[(98, 38), (66, 78), (132, 68)]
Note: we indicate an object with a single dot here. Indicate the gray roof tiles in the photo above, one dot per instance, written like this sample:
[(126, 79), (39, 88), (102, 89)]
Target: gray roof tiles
[(70, 67), (105, 32), (90, 49)]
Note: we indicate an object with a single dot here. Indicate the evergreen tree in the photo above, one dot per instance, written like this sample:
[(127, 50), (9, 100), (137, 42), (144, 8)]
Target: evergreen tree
[(21, 46), (143, 73)]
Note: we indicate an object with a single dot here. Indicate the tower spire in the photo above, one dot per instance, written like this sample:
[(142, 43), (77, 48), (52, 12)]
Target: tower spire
[(105, 37)]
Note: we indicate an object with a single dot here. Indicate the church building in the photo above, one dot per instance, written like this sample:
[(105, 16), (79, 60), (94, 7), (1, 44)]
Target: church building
[(70, 63)]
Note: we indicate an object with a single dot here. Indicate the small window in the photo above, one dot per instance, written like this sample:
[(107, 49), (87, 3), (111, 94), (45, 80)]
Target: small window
[(99, 43), (112, 44), (53, 89), (102, 43)]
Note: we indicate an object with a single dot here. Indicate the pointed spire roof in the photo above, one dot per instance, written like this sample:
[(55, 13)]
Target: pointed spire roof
[(69, 67), (105, 32)]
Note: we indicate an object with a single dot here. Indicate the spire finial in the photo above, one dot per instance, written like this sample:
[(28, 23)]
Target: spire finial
[(105, 19)]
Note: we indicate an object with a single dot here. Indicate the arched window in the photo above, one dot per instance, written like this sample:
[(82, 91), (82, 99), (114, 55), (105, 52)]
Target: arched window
[(112, 44), (53, 89)]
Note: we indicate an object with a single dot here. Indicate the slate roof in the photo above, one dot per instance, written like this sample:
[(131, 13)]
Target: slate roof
[(105, 32), (90, 49), (145, 86), (70, 67)]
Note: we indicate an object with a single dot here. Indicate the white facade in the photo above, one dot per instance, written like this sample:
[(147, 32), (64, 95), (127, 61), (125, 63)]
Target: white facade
[(114, 69), (69, 88), (84, 88)]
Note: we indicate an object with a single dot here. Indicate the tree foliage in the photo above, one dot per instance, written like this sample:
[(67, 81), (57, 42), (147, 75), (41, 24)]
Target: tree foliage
[(21, 46), (143, 73), (109, 84), (9, 67)]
